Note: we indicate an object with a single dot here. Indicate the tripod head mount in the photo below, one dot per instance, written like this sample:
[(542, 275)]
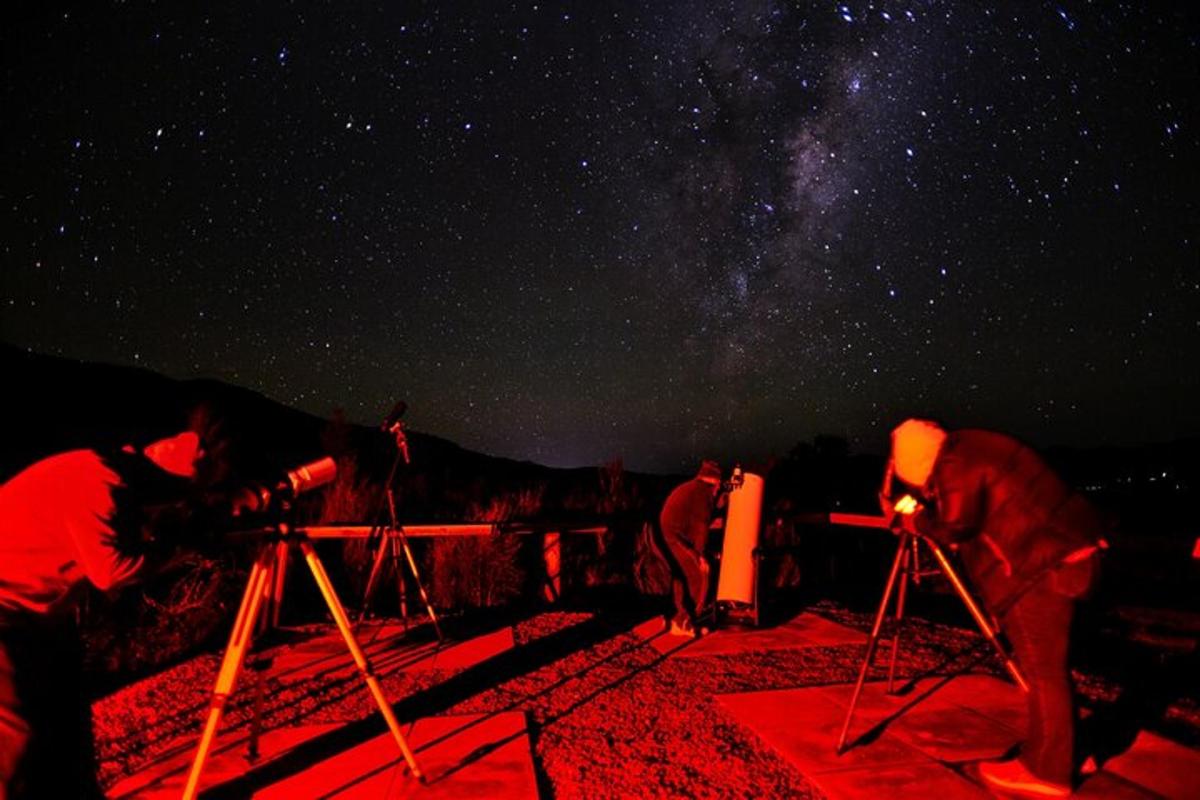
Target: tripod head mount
[(393, 423), (277, 497)]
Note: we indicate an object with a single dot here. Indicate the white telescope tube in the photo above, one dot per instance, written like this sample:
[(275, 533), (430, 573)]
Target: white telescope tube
[(741, 537)]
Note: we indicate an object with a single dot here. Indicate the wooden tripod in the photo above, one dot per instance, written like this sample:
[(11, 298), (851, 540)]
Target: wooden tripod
[(266, 567)]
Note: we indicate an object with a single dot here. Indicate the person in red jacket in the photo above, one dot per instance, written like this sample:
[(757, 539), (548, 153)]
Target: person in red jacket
[(73, 519), (685, 519), (1029, 544)]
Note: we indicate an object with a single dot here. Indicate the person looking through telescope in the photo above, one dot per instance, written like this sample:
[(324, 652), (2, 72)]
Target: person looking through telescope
[(686, 517), (1029, 544), (102, 517)]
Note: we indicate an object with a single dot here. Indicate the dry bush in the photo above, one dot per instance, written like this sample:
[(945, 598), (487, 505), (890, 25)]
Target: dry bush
[(611, 557), (153, 624), (483, 571), (617, 492), (613, 492), (651, 574), (781, 571), (352, 498)]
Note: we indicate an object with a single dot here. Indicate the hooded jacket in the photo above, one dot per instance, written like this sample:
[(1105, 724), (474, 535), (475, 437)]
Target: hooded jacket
[(1010, 516), (687, 513), (89, 516)]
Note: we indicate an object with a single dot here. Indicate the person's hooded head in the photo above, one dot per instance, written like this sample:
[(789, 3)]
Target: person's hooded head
[(915, 447), (710, 472), (178, 454), (200, 448), (159, 509)]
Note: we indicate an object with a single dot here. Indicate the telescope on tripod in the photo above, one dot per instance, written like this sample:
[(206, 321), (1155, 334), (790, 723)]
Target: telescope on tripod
[(263, 588), (388, 537), (906, 569), (737, 584)]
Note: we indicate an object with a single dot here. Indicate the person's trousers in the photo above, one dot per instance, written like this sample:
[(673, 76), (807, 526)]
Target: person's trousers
[(46, 747), (1038, 627), (689, 582)]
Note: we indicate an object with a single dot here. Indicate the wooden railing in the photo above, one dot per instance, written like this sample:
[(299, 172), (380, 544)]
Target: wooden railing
[(551, 539)]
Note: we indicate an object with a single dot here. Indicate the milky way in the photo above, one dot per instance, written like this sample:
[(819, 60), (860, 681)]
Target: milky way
[(653, 231)]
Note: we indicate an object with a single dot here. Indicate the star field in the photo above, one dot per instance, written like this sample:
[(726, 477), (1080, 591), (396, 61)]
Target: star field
[(656, 231)]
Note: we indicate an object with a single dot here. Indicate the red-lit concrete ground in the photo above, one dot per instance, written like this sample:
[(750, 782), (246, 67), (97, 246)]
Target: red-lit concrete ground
[(921, 741), (462, 756), (925, 743), (802, 630), (579, 705), (472, 755)]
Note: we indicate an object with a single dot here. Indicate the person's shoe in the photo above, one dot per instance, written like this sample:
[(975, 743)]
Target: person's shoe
[(1012, 777), (681, 630)]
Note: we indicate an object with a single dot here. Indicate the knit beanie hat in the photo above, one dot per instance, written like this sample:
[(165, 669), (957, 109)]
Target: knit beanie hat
[(176, 454), (709, 471), (915, 447)]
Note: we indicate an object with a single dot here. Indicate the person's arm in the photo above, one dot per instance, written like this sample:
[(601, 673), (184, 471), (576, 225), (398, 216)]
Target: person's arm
[(698, 524), (90, 505), (959, 493)]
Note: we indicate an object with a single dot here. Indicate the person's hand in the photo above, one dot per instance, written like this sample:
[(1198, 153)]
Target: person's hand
[(907, 523), (902, 515), (886, 505), (248, 500)]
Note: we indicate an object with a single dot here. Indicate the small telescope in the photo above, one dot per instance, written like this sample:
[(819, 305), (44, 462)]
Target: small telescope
[(736, 479), (263, 595), (295, 482), (309, 476)]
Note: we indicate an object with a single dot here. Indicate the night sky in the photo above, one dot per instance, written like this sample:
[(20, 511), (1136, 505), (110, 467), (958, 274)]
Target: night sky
[(649, 230)]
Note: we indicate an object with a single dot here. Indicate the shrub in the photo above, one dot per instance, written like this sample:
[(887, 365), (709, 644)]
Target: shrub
[(651, 575), (352, 498), (483, 571), (154, 624)]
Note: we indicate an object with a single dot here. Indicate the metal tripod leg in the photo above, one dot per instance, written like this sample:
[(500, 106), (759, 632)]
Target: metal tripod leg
[(873, 639), (258, 587), (235, 652), (395, 542), (908, 571), (908, 543), (268, 620), (401, 584), (412, 566), (360, 658), (984, 627), (376, 568)]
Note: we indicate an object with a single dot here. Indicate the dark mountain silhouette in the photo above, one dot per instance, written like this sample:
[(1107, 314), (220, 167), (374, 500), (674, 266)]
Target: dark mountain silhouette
[(56, 404)]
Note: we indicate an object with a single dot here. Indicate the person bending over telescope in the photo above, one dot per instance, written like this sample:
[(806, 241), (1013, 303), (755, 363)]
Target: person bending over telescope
[(685, 519), (99, 517), (1029, 545)]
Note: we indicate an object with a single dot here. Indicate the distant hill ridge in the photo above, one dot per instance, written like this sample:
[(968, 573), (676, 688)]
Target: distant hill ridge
[(55, 404)]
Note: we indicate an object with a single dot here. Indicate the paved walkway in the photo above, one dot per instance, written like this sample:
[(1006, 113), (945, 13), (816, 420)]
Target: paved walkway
[(922, 742), (803, 630), (461, 756), (919, 744), (925, 742)]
